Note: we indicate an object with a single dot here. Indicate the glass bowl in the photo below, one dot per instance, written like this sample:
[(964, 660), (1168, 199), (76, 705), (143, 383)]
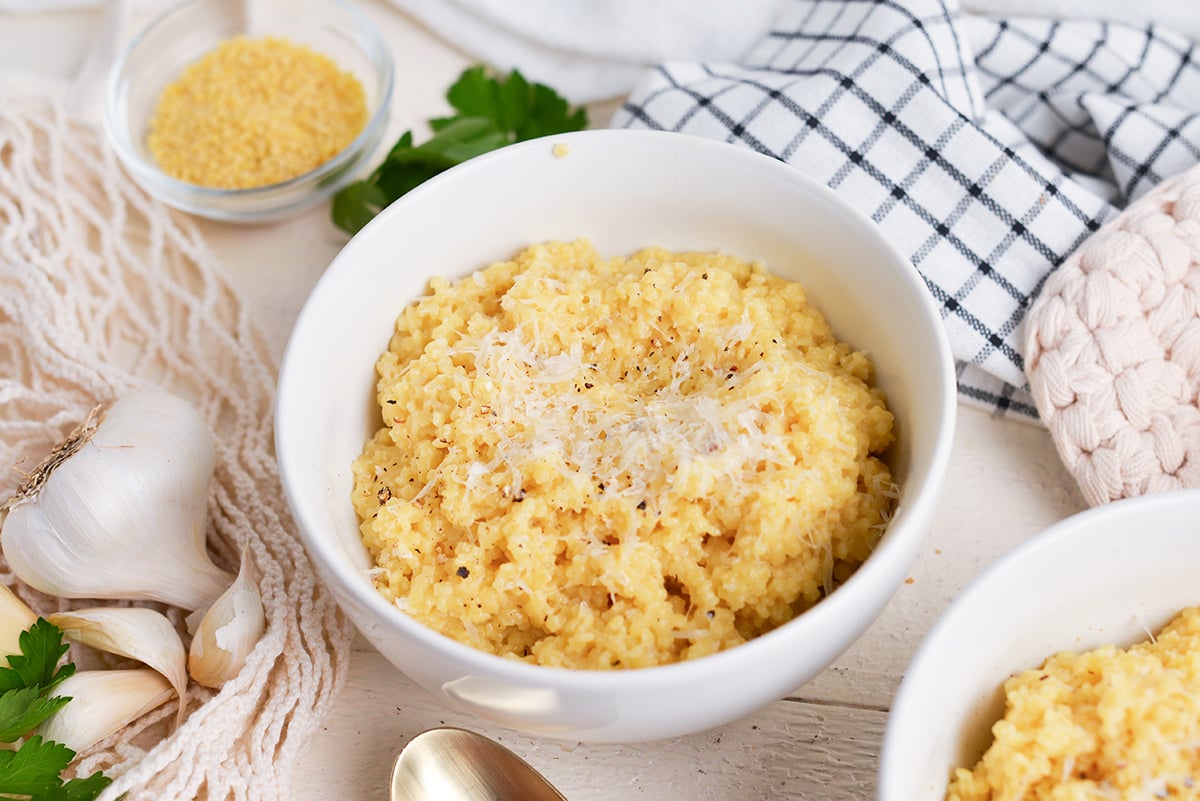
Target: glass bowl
[(187, 32)]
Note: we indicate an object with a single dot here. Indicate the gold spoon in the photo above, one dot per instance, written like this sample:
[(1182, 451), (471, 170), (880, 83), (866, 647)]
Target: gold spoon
[(450, 764)]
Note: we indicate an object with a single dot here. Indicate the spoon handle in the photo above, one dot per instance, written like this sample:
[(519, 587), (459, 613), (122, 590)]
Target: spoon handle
[(450, 764)]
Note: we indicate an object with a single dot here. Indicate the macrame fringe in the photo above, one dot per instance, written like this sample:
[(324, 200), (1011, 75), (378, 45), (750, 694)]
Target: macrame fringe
[(103, 290)]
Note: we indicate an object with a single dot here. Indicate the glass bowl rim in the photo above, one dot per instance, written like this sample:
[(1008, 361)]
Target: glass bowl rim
[(116, 126)]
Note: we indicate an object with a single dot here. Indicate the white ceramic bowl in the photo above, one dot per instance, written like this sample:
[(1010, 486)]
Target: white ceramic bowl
[(1107, 575), (623, 190), (186, 32)]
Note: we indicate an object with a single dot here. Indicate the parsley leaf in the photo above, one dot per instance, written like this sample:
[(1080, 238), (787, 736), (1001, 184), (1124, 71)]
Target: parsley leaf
[(474, 94), (21, 710), (491, 112), (34, 770), (42, 647), (356, 204), (85, 789)]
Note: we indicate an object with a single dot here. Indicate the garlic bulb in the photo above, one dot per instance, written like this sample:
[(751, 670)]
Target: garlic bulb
[(103, 701), (141, 634), (228, 632), (15, 617), (121, 511)]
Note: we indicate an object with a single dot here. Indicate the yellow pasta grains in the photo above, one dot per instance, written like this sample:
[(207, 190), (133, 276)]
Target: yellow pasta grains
[(1112, 723), (618, 463), (255, 112)]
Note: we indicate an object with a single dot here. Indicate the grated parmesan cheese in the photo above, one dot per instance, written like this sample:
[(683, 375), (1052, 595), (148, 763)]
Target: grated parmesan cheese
[(633, 448)]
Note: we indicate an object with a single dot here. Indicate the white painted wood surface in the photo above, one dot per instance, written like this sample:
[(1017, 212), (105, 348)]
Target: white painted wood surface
[(821, 744)]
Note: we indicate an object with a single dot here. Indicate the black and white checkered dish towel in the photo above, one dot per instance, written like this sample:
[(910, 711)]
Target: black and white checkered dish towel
[(987, 150)]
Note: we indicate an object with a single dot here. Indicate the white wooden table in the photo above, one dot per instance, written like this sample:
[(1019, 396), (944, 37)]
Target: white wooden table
[(821, 743)]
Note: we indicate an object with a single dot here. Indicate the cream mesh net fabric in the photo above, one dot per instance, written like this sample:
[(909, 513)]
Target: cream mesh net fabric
[(103, 291)]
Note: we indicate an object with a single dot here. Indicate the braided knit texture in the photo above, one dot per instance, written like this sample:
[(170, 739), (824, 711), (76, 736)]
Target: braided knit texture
[(1113, 349), (103, 291)]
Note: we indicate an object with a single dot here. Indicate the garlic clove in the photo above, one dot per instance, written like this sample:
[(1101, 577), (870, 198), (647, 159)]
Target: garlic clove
[(102, 702), (228, 632), (15, 617), (141, 634), (121, 511)]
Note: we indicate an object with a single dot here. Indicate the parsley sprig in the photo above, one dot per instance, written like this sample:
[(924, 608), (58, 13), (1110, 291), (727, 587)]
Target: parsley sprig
[(491, 112), (33, 771)]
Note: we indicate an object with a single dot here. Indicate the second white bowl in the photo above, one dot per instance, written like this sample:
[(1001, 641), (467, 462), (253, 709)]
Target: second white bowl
[(1108, 575)]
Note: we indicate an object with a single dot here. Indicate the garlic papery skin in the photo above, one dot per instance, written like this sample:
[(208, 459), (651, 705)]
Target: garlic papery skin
[(228, 632), (124, 515), (102, 702), (15, 617), (141, 634)]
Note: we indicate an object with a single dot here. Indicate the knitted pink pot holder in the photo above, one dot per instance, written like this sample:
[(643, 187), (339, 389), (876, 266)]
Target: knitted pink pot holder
[(1112, 349)]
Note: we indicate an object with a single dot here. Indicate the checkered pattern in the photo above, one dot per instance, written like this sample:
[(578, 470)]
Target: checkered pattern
[(986, 150), (1110, 101)]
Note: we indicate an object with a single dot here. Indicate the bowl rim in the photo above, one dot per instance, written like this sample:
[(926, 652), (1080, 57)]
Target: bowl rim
[(898, 552), (117, 132), (1057, 537)]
